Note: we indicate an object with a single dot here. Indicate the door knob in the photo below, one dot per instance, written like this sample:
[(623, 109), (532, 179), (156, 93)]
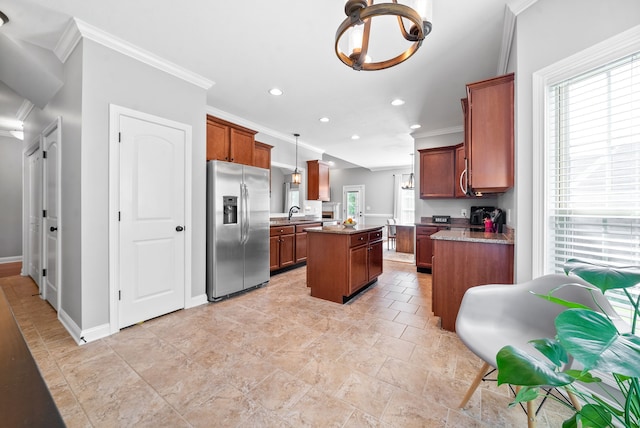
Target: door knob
[(179, 228), (53, 229)]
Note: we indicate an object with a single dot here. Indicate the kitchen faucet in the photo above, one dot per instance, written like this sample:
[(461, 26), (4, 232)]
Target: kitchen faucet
[(297, 208)]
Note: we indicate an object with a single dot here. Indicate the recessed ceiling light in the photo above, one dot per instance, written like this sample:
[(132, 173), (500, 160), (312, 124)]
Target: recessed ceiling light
[(355, 137), (416, 126), (275, 91), (397, 102), (324, 119)]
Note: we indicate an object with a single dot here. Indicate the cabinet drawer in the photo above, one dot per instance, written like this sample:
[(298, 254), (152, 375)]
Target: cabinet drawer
[(426, 230), (281, 230), (374, 236), (358, 239), (303, 227)]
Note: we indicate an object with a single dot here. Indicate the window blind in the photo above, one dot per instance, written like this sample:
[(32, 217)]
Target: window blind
[(593, 170)]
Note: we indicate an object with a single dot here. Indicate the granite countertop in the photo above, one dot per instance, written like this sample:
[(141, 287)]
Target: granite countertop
[(471, 236), (342, 230), (292, 222)]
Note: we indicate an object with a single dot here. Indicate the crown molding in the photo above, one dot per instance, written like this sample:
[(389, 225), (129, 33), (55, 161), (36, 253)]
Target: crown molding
[(6, 134), (519, 6), (78, 29), (508, 30), (259, 128), (436, 132), (24, 110)]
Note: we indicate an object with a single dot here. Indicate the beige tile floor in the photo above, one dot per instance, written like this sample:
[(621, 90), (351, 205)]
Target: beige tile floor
[(272, 357)]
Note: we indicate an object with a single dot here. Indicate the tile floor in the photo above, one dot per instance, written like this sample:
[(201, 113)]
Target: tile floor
[(272, 357)]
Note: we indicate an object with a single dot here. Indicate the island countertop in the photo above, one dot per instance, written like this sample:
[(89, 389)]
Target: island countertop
[(342, 230), (472, 236)]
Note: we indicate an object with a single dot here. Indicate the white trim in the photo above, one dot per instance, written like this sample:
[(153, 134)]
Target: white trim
[(7, 134), (78, 29), (115, 112), (508, 30), (93, 334), (519, 6), (25, 109), (221, 114), (68, 323), (26, 198), (436, 132), (192, 302), (379, 215), (12, 259), (618, 46)]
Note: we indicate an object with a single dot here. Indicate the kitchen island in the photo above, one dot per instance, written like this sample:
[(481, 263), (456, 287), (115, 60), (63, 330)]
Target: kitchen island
[(341, 261)]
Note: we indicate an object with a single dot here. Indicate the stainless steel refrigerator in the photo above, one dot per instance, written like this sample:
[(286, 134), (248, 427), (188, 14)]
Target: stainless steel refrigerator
[(237, 228)]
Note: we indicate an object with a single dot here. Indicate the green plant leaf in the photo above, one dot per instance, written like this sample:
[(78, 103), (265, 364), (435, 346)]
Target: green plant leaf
[(583, 376), (604, 277), (516, 367), (572, 422), (593, 340), (551, 349), (563, 302), (525, 394), (594, 415)]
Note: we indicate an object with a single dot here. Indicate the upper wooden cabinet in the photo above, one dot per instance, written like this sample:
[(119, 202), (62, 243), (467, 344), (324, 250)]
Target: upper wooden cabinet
[(460, 171), (489, 134), (437, 172), (318, 181), (262, 155), (229, 142)]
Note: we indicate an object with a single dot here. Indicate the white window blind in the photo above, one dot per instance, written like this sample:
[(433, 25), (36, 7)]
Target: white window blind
[(593, 169)]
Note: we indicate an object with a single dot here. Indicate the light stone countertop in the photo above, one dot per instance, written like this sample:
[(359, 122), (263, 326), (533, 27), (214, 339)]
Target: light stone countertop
[(342, 230), (470, 236)]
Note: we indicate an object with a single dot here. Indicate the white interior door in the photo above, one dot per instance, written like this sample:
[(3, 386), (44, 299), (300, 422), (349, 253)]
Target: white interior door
[(51, 206), (152, 219), (34, 165), (353, 202)]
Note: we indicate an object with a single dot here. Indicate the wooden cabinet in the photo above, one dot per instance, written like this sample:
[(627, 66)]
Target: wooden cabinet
[(437, 172), (489, 134), (301, 241), (262, 155), (460, 265), (339, 264), (424, 245), (460, 176), (229, 142), (282, 246), (318, 181)]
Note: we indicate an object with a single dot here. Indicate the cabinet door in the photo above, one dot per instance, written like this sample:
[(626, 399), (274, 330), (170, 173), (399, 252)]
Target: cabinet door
[(490, 152), (461, 174), (301, 247), (436, 173), (358, 272), (323, 182), (287, 250), (423, 251), (241, 147), (217, 141), (274, 252), (318, 181), (375, 260), (262, 155)]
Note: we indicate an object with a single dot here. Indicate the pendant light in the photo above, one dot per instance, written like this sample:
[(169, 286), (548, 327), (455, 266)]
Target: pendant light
[(296, 177), (410, 183)]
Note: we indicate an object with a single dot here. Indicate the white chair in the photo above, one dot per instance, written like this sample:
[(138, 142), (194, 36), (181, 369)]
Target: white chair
[(496, 315), (391, 232)]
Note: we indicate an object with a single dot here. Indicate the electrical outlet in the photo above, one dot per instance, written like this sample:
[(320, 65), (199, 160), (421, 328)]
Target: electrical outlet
[(463, 212)]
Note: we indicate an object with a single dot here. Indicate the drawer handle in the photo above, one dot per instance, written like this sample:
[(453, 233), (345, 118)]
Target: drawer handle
[(281, 230), (361, 238)]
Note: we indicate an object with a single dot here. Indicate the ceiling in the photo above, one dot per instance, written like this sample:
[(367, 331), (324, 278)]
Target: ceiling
[(248, 47)]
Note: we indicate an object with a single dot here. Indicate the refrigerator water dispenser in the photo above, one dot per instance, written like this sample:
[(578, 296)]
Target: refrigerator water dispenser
[(229, 209)]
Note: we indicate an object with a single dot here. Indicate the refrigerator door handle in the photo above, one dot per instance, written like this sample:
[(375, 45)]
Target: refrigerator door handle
[(242, 210), (247, 208)]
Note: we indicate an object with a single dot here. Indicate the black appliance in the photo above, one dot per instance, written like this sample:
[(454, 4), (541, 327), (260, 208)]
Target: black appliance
[(478, 214)]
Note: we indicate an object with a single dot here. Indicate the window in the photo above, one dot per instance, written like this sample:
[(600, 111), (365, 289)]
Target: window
[(592, 159), (407, 206)]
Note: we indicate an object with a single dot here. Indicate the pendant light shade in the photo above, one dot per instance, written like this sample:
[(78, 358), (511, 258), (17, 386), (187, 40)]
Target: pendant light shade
[(296, 177), (409, 180)]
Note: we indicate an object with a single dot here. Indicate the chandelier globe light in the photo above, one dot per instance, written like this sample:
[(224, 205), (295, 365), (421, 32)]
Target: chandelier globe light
[(410, 182), (296, 177), (360, 14)]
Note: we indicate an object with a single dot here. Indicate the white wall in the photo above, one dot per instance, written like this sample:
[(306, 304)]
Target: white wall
[(110, 77), (547, 32), (10, 197)]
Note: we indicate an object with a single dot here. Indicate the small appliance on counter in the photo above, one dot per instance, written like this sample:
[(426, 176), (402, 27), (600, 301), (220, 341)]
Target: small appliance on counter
[(488, 219), (478, 214)]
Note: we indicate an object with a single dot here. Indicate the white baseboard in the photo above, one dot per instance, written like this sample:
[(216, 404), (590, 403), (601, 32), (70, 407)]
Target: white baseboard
[(197, 301), (82, 336), (10, 259), (70, 325)]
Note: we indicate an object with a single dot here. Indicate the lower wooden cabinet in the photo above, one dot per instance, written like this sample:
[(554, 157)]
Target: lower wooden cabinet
[(339, 265), (301, 241), (424, 245), (288, 245)]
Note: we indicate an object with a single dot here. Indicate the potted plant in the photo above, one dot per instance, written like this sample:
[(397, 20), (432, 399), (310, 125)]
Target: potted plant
[(591, 339)]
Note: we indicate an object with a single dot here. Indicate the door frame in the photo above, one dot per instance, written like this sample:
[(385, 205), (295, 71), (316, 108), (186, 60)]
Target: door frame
[(360, 188), (54, 127), (115, 112)]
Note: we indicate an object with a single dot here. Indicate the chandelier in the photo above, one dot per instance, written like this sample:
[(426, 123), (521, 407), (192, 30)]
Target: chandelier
[(360, 13), (409, 180), (296, 177)]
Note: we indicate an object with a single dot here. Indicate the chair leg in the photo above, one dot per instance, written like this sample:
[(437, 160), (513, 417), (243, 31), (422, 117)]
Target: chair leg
[(574, 400), (472, 388)]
